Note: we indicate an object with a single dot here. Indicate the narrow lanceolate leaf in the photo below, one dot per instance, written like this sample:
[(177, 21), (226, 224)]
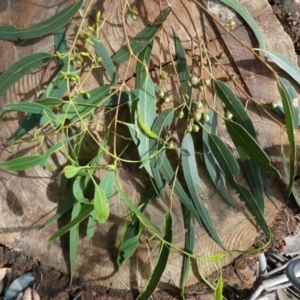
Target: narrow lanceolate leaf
[(289, 120), (230, 168), (21, 68), (30, 121), (242, 118), (219, 288), (51, 101), (247, 17), (101, 205), (235, 107), (190, 237), (286, 65), (127, 249), (84, 213), (210, 161), (66, 207), (138, 213), (132, 233), (253, 174), (56, 88), (141, 40), (293, 100), (22, 163), (182, 70), (30, 107), (250, 146), (146, 130), (71, 171), (169, 176), (161, 263), (191, 177), (145, 116), (163, 120), (142, 65), (287, 173), (106, 59), (74, 237), (79, 189), (12, 33)]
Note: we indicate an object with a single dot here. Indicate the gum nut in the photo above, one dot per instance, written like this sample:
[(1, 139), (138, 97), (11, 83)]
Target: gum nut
[(205, 117), (196, 128), (197, 115)]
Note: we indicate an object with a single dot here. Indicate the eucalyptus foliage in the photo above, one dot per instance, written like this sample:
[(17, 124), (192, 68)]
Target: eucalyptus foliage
[(58, 109)]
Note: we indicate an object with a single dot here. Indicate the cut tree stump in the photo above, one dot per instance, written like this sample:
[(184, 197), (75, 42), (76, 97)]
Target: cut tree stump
[(30, 197)]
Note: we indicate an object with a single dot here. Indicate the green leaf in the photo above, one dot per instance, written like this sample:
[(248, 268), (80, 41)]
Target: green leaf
[(29, 107), (190, 237), (287, 173), (106, 60), (21, 68), (50, 101), (33, 108), (219, 288), (71, 171), (127, 249), (132, 231), (84, 213), (145, 114), (235, 107), (56, 88), (107, 185), (138, 213), (286, 65), (66, 207), (182, 70), (190, 172), (210, 161), (79, 189), (149, 132), (226, 160), (250, 146), (133, 227), (242, 118), (253, 174), (293, 96), (12, 33), (22, 163), (247, 17), (169, 176), (141, 40), (141, 71), (163, 120), (230, 167), (30, 121), (160, 266), (74, 237), (289, 120), (101, 205)]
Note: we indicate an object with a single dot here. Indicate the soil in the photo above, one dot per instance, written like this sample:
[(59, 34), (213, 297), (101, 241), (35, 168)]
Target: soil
[(239, 277), (288, 13)]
